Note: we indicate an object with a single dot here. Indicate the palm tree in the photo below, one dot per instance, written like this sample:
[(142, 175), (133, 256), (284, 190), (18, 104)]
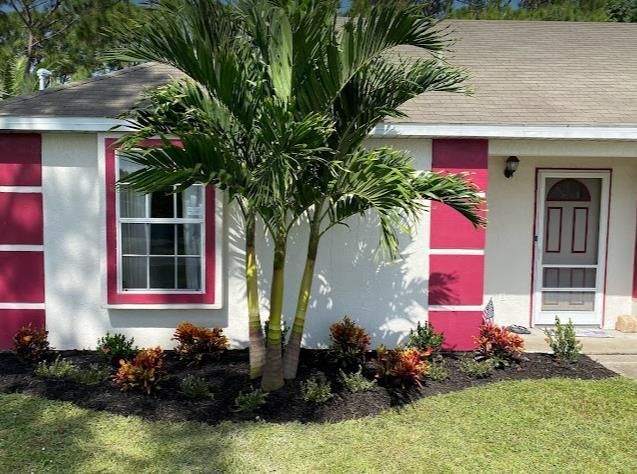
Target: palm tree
[(278, 104), (15, 79), (234, 130), (347, 71)]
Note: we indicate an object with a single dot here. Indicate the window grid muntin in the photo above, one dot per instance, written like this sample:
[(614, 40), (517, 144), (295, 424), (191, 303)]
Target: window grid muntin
[(163, 220)]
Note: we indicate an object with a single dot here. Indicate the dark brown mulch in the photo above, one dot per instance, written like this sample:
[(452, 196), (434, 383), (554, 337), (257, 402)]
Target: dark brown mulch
[(227, 376)]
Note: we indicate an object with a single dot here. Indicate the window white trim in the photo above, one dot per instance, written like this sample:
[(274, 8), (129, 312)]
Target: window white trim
[(172, 221)]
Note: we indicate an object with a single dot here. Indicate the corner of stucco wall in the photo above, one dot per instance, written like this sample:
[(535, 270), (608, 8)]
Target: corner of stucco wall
[(509, 241)]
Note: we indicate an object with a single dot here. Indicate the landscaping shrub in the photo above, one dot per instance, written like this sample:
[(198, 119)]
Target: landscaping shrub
[(194, 387), (499, 344), (438, 371), (251, 401), (58, 368), (348, 343), (563, 342), (316, 391), (144, 371), (113, 348), (478, 369), (403, 365), (195, 341), (425, 338), (356, 382), (64, 369), (91, 376), (31, 344)]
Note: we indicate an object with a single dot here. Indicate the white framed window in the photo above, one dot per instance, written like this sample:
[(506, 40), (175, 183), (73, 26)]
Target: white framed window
[(160, 238)]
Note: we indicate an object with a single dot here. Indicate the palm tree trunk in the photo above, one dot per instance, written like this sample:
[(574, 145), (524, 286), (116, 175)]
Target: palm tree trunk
[(273, 370), (255, 332), (293, 348)]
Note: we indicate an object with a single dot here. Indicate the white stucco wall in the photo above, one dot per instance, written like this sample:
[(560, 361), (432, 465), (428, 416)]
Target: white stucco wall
[(388, 298), (511, 207)]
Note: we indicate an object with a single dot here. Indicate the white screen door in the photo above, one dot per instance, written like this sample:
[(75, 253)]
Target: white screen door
[(571, 225)]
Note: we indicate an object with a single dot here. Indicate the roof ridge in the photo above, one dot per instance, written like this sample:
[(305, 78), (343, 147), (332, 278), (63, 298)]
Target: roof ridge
[(72, 84)]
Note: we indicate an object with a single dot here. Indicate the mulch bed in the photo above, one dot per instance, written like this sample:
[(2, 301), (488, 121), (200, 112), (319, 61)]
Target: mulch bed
[(227, 376)]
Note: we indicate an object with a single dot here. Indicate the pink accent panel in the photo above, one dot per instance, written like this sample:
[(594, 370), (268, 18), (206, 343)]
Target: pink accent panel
[(21, 218), (459, 328), (20, 159), (21, 277), (13, 319), (115, 297), (462, 155), (450, 230), (456, 279)]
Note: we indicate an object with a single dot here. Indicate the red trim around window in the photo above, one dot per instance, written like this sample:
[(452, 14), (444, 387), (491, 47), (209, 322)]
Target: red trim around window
[(116, 297)]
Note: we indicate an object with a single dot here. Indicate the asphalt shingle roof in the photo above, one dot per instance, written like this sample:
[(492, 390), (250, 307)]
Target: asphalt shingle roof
[(526, 73)]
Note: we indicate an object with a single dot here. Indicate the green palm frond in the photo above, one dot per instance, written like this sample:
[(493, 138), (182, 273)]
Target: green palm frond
[(385, 182), (454, 190), (14, 77)]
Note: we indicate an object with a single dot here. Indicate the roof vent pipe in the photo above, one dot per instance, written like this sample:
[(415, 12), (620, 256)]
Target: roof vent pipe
[(43, 75)]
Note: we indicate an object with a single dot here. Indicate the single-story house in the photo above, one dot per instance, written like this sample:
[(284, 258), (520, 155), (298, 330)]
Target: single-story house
[(557, 100)]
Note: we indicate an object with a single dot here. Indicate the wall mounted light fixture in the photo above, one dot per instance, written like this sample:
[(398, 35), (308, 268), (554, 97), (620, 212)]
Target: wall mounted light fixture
[(511, 166)]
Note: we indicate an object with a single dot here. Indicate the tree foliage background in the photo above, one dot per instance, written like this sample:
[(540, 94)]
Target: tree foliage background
[(66, 37), (557, 10)]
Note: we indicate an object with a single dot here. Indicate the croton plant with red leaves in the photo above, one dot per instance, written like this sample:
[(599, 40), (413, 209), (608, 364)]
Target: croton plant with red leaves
[(144, 371), (31, 343), (497, 342), (404, 365), (194, 341)]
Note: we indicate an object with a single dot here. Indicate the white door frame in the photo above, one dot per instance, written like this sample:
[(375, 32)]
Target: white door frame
[(592, 318)]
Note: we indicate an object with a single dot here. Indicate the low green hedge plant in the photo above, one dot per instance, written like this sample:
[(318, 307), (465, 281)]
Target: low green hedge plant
[(563, 342), (251, 401), (356, 381), (478, 369), (194, 387), (316, 391)]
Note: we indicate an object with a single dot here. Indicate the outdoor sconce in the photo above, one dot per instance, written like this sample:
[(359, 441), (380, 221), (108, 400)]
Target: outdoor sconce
[(511, 166)]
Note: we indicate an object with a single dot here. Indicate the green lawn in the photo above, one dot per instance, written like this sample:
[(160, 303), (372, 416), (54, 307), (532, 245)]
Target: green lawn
[(531, 426)]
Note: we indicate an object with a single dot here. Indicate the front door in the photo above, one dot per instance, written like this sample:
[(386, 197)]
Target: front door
[(571, 225)]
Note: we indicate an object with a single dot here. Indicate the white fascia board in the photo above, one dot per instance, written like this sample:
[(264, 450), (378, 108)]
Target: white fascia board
[(550, 132), (62, 124), (398, 130)]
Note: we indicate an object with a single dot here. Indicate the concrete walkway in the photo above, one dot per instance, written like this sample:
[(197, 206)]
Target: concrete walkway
[(625, 365), (617, 353), (619, 343)]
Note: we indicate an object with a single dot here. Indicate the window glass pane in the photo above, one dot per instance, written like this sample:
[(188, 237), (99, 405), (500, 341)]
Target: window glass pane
[(132, 204), (134, 273), (162, 239), (126, 167), (189, 273), (189, 239), (162, 272), (190, 203), (134, 239), (161, 204), (568, 190)]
